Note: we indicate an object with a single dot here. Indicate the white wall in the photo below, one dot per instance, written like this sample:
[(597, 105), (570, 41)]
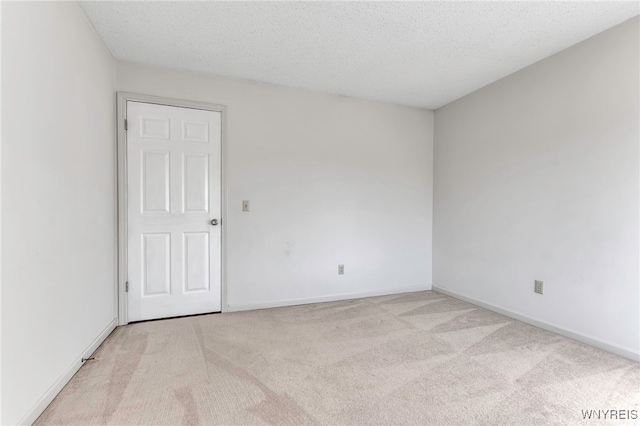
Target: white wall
[(331, 180), (536, 177), (58, 208)]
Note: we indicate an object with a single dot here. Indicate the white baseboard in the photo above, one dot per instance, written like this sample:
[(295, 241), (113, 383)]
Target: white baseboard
[(607, 346), (57, 386), (330, 298)]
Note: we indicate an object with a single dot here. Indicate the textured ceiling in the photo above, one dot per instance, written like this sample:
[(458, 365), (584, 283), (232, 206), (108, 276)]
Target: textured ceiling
[(423, 54)]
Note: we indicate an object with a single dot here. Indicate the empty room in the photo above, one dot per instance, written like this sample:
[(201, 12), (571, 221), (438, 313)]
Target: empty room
[(329, 213)]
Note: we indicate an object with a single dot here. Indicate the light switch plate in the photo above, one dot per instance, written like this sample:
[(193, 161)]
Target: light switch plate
[(245, 205)]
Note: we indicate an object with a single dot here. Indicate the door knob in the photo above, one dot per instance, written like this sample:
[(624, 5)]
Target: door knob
[(214, 222)]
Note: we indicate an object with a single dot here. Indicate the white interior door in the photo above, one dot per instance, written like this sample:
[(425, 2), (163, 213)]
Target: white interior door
[(173, 198)]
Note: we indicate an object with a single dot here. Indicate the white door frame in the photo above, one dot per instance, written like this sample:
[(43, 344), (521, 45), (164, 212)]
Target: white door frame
[(121, 114)]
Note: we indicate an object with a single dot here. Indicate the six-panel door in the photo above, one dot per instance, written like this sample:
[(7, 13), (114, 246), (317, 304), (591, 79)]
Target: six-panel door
[(173, 194)]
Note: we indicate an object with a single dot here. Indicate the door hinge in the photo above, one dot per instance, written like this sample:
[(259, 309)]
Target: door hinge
[(126, 286), (126, 124)]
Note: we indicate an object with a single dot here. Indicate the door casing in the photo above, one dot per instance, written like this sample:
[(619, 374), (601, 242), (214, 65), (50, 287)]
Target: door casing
[(121, 155)]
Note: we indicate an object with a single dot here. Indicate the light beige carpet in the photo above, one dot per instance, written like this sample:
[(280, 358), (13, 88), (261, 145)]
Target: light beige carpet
[(419, 358)]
